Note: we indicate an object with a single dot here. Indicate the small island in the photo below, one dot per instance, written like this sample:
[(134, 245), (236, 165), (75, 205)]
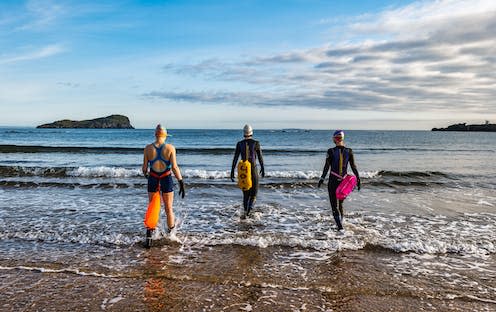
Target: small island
[(109, 122), (487, 127)]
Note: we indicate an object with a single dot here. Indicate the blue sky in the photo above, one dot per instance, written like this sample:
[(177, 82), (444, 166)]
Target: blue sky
[(274, 64)]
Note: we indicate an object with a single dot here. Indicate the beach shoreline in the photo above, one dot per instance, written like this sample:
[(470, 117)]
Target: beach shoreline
[(236, 278)]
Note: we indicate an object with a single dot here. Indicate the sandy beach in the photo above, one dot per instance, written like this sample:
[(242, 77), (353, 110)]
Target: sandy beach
[(238, 278)]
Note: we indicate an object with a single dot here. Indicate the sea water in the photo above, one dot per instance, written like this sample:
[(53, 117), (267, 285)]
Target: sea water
[(72, 201)]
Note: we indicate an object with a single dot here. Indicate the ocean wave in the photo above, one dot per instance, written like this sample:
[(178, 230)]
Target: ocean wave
[(412, 174), (120, 172), (467, 235), (349, 242), (104, 171), (121, 177), (205, 150), (21, 171), (334, 242), (133, 150), (67, 149), (69, 185), (62, 172)]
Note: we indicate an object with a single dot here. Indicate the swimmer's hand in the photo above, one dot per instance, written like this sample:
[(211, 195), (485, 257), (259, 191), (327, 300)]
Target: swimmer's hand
[(359, 185), (146, 174), (181, 189), (262, 172), (232, 176), (320, 182)]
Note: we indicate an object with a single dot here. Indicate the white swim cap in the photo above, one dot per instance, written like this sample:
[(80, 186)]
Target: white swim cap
[(247, 130)]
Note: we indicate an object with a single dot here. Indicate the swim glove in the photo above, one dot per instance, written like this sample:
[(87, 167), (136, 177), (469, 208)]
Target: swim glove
[(320, 182), (181, 189)]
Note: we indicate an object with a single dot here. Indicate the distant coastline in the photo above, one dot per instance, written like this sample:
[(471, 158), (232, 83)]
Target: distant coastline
[(109, 122), (487, 127)]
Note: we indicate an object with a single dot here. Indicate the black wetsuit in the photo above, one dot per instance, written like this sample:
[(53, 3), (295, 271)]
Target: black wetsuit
[(254, 150), (332, 162)]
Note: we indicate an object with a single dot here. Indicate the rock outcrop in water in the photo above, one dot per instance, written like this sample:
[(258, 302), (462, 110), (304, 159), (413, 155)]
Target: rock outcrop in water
[(487, 127), (109, 122)]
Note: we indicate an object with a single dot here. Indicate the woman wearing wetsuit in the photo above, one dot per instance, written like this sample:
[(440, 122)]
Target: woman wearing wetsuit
[(249, 149), (159, 161), (337, 159)]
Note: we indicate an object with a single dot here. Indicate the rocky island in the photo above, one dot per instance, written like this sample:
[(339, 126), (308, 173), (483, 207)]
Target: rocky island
[(487, 127), (109, 122)]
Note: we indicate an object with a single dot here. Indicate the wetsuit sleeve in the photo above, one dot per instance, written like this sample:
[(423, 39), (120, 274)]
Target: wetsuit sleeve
[(175, 167), (353, 165), (235, 159), (327, 164), (258, 149)]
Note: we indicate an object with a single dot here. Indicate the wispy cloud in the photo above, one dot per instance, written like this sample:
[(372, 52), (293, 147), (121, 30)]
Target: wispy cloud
[(430, 56), (40, 53), (41, 13)]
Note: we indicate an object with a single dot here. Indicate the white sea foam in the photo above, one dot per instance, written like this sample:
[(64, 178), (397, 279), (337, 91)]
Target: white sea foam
[(369, 174), (120, 172), (219, 174), (294, 174), (110, 302), (486, 203), (206, 174), (103, 171), (65, 270), (472, 235), (305, 255)]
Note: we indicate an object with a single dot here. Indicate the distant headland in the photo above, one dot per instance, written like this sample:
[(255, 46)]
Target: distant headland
[(487, 127), (109, 122)]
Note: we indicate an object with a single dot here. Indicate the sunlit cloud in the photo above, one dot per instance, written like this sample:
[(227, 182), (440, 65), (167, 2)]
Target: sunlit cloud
[(432, 56)]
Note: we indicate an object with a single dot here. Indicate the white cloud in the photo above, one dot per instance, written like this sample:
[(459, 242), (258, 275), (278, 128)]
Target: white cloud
[(422, 18), (42, 13), (47, 51), (433, 56)]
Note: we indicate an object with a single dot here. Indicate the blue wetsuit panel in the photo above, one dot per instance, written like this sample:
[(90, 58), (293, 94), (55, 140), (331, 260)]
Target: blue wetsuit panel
[(158, 150), (166, 183)]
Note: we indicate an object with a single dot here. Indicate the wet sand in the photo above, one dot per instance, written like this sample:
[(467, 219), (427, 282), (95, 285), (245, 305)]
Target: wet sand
[(236, 278)]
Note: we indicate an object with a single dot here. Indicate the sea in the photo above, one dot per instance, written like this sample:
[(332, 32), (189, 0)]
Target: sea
[(420, 235)]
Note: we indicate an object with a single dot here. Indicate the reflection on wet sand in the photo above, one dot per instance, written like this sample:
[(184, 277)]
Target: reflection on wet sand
[(245, 278), (237, 278), (155, 293)]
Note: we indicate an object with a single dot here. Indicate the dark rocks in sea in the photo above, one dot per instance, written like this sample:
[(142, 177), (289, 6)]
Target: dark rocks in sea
[(109, 122), (487, 127)]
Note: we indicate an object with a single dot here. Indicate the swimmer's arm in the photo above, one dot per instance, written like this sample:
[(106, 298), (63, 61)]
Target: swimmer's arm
[(353, 165), (145, 162), (175, 167), (260, 157), (235, 159), (326, 166), (258, 149)]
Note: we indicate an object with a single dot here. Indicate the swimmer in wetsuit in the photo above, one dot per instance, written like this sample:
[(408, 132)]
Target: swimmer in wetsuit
[(254, 150), (159, 161), (337, 160)]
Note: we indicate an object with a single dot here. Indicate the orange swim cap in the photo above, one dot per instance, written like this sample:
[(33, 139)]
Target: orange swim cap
[(160, 131)]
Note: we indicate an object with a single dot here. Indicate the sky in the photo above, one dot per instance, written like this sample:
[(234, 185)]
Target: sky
[(392, 65)]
